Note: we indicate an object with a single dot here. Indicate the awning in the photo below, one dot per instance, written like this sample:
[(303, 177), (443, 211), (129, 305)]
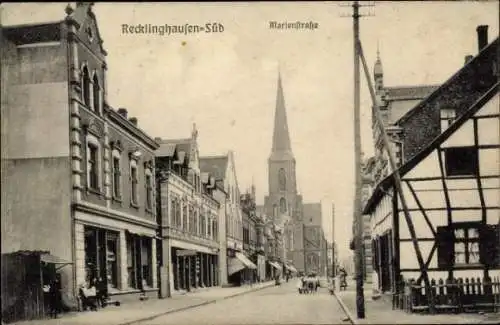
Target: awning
[(275, 265), (246, 261), (52, 259), (291, 268), (238, 263)]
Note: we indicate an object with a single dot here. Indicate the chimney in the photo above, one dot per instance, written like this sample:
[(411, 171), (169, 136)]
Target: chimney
[(468, 58), (123, 112), (133, 120), (482, 36)]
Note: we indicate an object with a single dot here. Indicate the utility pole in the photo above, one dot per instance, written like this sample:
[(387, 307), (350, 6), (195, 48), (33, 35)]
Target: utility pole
[(357, 209), (333, 242), (360, 298)]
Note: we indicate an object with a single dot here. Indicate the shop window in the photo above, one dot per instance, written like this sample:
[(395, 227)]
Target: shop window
[(131, 254), (112, 260), (90, 249), (147, 279), (461, 161)]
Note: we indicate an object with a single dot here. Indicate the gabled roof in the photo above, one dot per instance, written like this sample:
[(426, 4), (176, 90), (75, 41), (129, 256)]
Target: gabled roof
[(37, 30), (169, 146), (409, 92), (388, 181), (463, 72), (214, 165)]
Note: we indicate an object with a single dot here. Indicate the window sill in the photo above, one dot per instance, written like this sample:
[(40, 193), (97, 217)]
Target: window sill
[(149, 210), (464, 176), (117, 199), (466, 266), (134, 205), (94, 191)]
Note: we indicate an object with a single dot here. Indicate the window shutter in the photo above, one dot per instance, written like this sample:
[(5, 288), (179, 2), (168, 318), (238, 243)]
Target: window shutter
[(445, 247), (489, 242)]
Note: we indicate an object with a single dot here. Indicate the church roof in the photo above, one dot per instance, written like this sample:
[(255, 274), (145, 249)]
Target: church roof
[(215, 166), (281, 136), (312, 214)]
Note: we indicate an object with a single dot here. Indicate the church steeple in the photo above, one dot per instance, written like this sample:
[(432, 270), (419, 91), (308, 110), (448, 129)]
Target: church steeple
[(378, 72), (281, 138)]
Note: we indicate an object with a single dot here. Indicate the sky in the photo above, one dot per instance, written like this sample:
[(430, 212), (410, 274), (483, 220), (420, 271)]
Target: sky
[(226, 82)]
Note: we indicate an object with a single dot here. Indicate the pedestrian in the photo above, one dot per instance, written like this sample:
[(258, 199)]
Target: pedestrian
[(101, 293), (54, 297)]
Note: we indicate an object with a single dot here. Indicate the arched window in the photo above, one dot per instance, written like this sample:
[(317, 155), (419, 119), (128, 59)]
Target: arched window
[(97, 94), (282, 205), (282, 179), (86, 86)]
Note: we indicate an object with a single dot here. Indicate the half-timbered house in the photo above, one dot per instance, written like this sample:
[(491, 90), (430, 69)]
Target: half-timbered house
[(451, 188)]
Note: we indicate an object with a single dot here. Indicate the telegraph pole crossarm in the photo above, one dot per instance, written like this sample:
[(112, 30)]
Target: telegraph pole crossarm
[(397, 180)]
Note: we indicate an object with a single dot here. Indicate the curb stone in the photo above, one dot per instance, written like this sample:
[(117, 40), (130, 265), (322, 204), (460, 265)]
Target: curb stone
[(352, 319), (194, 306)]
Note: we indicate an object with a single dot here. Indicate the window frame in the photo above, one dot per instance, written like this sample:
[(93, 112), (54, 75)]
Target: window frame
[(451, 170), (96, 94), (446, 242), (148, 184), (93, 142), (447, 117), (117, 175), (134, 183), (86, 88)]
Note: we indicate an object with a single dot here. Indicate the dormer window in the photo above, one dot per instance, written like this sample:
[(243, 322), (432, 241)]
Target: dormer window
[(448, 115)]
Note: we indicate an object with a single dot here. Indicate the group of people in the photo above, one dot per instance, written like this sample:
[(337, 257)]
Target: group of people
[(93, 294), (308, 284)]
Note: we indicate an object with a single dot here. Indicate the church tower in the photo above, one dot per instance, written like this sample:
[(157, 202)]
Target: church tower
[(283, 198), (378, 74)]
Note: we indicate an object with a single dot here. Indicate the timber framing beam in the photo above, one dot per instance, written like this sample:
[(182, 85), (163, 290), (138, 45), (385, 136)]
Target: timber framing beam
[(421, 208)]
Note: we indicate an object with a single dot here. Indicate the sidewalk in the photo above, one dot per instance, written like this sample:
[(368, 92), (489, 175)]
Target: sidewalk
[(380, 312), (149, 309)]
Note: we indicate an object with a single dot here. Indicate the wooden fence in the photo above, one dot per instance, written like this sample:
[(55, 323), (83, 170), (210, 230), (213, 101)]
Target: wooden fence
[(451, 295)]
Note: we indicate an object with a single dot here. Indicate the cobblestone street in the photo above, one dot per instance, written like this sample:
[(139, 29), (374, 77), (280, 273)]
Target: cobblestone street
[(274, 305)]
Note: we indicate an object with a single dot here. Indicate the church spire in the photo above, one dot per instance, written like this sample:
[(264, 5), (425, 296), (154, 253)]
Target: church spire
[(281, 136), (377, 69)]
